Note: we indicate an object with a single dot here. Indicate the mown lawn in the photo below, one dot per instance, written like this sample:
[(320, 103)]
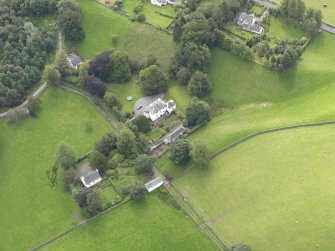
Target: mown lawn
[(142, 40), (31, 211), (148, 225), (328, 13), (284, 31), (152, 12), (100, 24), (274, 192), (136, 39)]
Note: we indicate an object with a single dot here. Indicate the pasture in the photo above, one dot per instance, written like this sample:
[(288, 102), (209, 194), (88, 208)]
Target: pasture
[(31, 210), (328, 12), (146, 225), (161, 16), (273, 192), (136, 39)]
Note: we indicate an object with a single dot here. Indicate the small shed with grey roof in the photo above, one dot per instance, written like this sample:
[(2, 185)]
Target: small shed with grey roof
[(91, 178), (175, 134), (154, 184)]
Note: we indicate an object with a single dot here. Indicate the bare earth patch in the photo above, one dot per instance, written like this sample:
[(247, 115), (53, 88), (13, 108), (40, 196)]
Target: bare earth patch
[(256, 105)]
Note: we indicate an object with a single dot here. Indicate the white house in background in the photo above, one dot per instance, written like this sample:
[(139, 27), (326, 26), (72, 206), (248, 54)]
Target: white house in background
[(248, 22), (175, 134), (91, 178), (158, 109), (154, 184), (74, 61), (165, 2)]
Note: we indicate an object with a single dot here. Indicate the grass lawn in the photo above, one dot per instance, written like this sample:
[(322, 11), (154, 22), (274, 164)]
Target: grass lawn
[(107, 195), (137, 226), (278, 29), (152, 12), (257, 9), (328, 13), (31, 211), (274, 192), (100, 23), (142, 40)]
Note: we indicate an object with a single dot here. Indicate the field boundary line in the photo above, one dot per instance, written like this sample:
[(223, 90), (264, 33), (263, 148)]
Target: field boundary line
[(250, 136), (60, 235), (97, 104)]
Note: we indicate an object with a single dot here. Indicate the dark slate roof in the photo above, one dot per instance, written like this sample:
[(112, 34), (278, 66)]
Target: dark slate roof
[(75, 60), (171, 104), (176, 133), (92, 177)]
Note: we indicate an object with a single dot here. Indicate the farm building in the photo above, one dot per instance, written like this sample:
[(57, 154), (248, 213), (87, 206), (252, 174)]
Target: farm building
[(91, 178), (154, 184), (175, 134), (74, 60), (164, 2), (158, 109), (248, 22)]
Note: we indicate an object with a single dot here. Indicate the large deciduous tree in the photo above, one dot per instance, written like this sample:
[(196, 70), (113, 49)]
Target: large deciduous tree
[(65, 156), (143, 164), (180, 151), (101, 66), (95, 86), (107, 143), (98, 160), (200, 154), (121, 71), (69, 20), (51, 75), (153, 80), (197, 112), (126, 142), (200, 84)]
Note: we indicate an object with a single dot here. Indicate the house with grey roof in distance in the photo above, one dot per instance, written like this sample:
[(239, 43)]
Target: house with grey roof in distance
[(248, 22), (74, 60), (158, 109), (165, 2), (91, 178), (174, 134)]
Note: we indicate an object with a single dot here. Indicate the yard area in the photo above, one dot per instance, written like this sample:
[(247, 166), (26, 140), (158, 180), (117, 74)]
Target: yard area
[(101, 23), (280, 30), (278, 183), (138, 226), (31, 209), (152, 12)]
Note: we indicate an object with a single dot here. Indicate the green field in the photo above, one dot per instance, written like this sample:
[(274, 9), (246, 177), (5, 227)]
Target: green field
[(274, 192), (101, 23), (152, 12), (148, 225), (31, 211), (278, 29), (328, 13)]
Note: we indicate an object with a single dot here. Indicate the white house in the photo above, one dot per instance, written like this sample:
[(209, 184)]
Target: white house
[(91, 178), (158, 109), (165, 2), (154, 184), (74, 61)]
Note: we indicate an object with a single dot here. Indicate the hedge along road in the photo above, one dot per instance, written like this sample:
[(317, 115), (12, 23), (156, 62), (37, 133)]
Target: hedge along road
[(324, 26)]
